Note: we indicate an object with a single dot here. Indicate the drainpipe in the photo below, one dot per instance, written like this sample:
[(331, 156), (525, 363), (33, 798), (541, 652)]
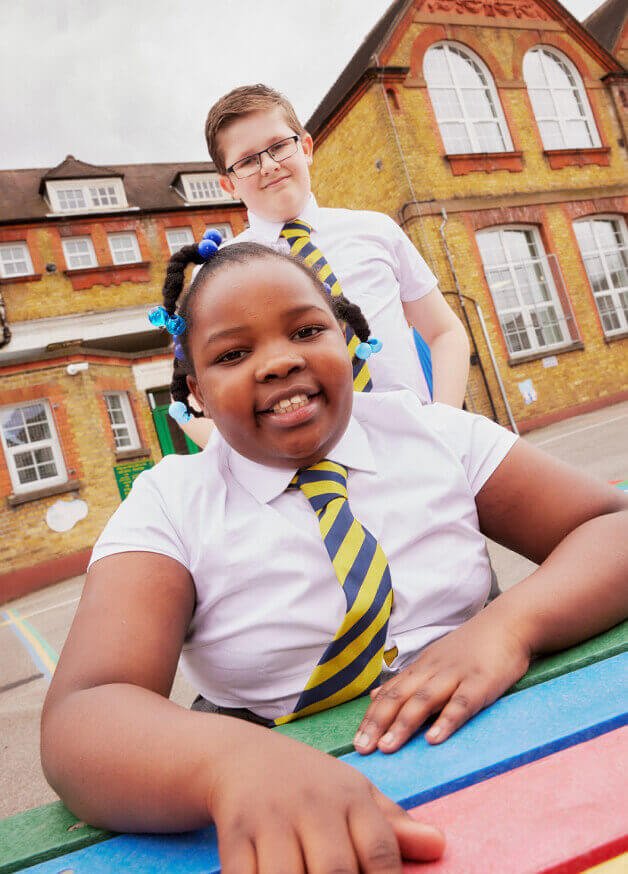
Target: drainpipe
[(461, 300)]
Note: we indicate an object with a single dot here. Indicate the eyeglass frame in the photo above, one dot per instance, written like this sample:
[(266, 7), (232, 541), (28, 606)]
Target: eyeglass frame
[(295, 138)]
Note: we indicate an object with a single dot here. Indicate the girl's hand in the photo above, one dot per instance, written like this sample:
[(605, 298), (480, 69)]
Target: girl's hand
[(458, 675), (281, 807)]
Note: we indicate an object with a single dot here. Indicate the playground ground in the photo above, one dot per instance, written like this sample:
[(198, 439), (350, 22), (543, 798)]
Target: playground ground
[(33, 629)]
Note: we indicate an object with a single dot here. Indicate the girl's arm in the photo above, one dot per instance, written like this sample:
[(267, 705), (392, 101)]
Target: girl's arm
[(124, 757), (444, 333), (577, 530)]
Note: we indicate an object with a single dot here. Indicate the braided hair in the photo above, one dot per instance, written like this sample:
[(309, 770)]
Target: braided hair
[(238, 253)]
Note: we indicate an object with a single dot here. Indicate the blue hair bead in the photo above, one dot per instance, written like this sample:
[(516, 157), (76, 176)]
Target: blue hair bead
[(158, 316), (175, 325), (327, 287), (179, 412), (363, 351), (213, 234), (207, 248), (179, 354), (375, 344)]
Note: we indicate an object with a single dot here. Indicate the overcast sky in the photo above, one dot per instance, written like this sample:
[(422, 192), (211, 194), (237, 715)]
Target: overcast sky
[(126, 81)]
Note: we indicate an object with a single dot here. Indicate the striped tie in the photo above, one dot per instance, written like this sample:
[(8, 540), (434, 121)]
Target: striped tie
[(353, 661), (297, 233)]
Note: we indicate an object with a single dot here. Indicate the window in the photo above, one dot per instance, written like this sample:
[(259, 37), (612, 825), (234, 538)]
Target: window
[(31, 446), (522, 286), (124, 248), (203, 187), (559, 101), (79, 195), (121, 420), (79, 253), (179, 237), (15, 260), (225, 230), (465, 101), (604, 248)]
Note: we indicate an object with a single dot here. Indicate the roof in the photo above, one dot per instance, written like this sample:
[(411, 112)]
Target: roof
[(365, 57), (147, 186), (607, 22)]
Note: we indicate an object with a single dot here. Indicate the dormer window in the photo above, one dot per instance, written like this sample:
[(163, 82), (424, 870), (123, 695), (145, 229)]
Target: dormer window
[(201, 188), (86, 195)]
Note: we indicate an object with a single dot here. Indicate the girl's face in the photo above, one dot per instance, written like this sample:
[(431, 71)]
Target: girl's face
[(271, 366)]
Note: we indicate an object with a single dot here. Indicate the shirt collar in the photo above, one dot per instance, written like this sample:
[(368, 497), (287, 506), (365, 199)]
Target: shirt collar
[(266, 483), (268, 232)]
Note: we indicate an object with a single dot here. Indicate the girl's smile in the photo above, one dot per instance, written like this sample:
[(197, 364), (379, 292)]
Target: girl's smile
[(271, 366)]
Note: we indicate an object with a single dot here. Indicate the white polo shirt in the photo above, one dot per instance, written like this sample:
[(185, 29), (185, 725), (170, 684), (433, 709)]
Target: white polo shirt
[(378, 268), (268, 601)]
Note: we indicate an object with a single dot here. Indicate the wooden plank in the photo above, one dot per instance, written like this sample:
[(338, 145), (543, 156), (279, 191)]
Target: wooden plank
[(43, 833), (619, 865), (332, 731), (515, 730), (552, 815)]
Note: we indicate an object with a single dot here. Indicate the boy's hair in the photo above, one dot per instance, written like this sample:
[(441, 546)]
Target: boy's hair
[(238, 103), (237, 253)]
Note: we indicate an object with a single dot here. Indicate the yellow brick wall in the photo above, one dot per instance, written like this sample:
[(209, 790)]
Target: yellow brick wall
[(344, 175)]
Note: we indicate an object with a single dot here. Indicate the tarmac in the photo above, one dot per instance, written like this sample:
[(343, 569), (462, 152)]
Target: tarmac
[(33, 629)]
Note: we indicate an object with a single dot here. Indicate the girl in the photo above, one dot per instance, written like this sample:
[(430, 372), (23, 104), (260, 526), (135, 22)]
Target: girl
[(223, 556)]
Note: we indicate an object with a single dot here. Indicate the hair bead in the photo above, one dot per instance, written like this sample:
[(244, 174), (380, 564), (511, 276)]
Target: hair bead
[(158, 316), (179, 412), (207, 248), (175, 326), (213, 234)]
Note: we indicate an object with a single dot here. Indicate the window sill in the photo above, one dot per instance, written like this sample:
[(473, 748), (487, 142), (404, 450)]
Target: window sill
[(622, 335), (559, 158), (47, 492), (485, 162), (128, 454), (29, 277), (536, 356), (108, 274)]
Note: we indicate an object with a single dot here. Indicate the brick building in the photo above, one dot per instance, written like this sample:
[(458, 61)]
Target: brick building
[(83, 376), (494, 132)]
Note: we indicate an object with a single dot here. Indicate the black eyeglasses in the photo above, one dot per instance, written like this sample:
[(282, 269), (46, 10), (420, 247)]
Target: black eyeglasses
[(251, 165)]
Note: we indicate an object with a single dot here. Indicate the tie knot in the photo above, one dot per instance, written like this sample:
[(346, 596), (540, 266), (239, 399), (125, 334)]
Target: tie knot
[(322, 482), (296, 229)]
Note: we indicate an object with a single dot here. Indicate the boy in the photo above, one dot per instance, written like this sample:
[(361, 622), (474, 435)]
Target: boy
[(263, 155)]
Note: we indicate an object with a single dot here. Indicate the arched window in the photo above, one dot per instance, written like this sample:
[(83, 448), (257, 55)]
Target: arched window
[(522, 286), (467, 108), (559, 101), (604, 246)]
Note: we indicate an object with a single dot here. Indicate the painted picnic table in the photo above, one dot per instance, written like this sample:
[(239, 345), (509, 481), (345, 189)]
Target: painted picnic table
[(532, 784)]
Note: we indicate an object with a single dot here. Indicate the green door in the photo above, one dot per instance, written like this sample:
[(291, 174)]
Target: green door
[(171, 438)]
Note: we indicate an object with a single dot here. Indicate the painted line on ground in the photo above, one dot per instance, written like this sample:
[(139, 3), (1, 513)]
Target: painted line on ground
[(42, 610), (42, 654), (579, 430)]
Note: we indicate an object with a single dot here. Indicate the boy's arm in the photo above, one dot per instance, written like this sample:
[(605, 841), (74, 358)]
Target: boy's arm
[(124, 757), (577, 530), (444, 333)]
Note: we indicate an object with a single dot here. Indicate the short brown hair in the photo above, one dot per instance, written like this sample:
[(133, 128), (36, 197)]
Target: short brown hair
[(238, 103)]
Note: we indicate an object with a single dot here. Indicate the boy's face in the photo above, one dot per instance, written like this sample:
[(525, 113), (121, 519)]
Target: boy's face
[(271, 364), (277, 192)]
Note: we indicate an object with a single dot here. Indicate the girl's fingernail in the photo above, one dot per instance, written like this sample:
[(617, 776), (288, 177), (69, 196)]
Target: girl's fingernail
[(388, 738), (434, 732), (361, 739)]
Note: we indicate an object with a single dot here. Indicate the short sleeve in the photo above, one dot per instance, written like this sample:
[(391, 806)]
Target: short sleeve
[(142, 523), (413, 275), (479, 443)]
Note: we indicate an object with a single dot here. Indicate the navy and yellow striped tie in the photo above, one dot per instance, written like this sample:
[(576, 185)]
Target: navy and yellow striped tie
[(297, 233), (353, 661)]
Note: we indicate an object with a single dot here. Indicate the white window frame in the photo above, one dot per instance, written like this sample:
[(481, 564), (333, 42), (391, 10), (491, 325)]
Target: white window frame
[(71, 257), (130, 248), (128, 425), (89, 195), (468, 118), (175, 246), (601, 253), (12, 254), (203, 188), (224, 227), (523, 312), (52, 442), (548, 55)]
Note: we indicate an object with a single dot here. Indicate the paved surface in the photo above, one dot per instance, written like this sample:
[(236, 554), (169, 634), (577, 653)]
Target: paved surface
[(33, 629)]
